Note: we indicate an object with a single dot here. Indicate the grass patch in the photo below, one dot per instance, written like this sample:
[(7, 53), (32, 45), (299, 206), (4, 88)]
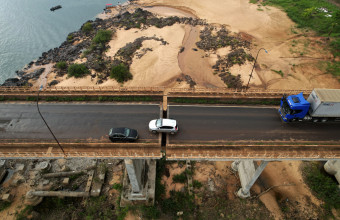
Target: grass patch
[(278, 72), (253, 1), (334, 69), (22, 215), (179, 201), (117, 186), (318, 15), (323, 186)]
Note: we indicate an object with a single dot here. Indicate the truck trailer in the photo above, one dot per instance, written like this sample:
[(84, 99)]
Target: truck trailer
[(322, 105)]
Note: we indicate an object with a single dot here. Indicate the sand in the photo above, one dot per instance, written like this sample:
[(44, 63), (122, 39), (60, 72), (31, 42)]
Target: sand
[(295, 59), (267, 27)]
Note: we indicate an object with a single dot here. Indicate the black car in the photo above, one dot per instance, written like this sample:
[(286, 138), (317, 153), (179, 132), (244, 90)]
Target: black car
[(123, 134)]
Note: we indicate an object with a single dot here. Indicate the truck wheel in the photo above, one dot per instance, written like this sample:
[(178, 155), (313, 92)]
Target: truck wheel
[(315, 120), (154, 131), (172, 132), (324, 119)]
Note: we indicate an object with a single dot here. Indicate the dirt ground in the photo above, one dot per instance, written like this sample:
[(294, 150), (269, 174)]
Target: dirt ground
[(279, 193)]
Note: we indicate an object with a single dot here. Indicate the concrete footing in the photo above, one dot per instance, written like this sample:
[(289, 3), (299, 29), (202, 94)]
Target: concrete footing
[(248, 175), (332, 167), (139, 182)]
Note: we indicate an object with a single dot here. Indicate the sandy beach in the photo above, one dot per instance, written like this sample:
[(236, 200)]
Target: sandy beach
[(283, 67)]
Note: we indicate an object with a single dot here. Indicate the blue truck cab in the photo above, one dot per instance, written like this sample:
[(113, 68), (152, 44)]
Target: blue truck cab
[(293, 107)]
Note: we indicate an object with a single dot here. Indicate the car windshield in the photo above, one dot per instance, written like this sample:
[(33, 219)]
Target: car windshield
[(158, 123), (126, 132)]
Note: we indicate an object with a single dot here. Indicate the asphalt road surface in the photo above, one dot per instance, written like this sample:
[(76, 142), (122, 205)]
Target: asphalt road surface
[(196, 123), (74, 121), (206, 123)]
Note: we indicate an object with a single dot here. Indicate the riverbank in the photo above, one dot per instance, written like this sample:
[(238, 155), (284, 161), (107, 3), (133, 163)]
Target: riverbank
[(294, 60)]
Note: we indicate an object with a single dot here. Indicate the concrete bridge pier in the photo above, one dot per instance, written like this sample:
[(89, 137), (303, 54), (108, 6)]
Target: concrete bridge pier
[(139, 182), (248, 175), (332, 167)]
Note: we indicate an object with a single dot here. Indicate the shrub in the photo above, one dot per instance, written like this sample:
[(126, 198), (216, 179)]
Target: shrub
[(69, 37), (196, 184), (102, 36), (120, 73), (62, 65), (4, 205), (78, 70), (179, 178), (87, 27)]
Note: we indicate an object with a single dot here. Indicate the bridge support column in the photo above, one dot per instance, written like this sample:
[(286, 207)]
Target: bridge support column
[(139, 182), (332, 167), (248, 175)]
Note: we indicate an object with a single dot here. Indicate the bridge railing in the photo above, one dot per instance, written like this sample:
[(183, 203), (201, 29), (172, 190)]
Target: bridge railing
[(168, 91)]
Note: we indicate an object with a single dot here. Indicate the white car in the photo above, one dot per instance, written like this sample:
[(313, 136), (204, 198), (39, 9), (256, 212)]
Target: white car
[(163, 125)]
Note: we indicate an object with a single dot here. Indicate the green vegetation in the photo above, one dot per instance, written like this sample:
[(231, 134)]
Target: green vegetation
[(220, 101), (180, 178), (334, 68), (335, 47), (318, 15), (62, 65), (117, 186), (74, 177), (324, 187), (102, 37), (4, 205), (78, 70), (196, 184), (70, 37), (253, 1), (24, 213), (278, 72), (179, 201), (99, 41), (95, 209), (120, 73), (87, 27)]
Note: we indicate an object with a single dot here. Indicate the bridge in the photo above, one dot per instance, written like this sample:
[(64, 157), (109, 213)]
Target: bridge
[(206, 132)]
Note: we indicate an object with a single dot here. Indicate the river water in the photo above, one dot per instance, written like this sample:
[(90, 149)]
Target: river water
[(28, 28)]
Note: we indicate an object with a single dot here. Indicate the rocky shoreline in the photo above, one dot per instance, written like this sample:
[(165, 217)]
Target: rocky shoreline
[(80, 44)]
